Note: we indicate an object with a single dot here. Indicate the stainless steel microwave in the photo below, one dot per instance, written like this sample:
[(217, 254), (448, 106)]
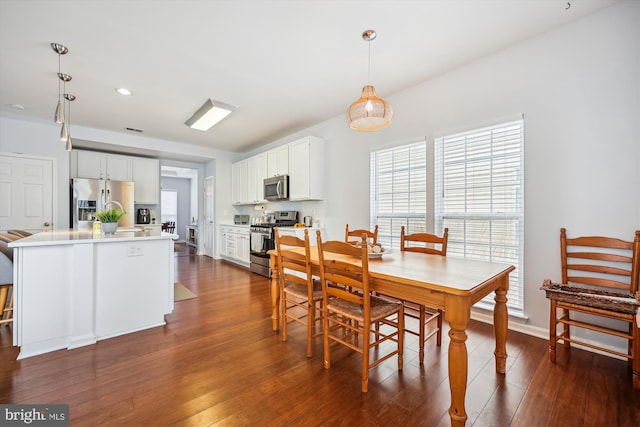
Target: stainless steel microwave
[(276, 188)]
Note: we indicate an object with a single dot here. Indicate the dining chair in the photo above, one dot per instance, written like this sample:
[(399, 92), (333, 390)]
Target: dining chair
[(300, 294), (372, 236), (8, 238), (6, 283), (600, 278), (355, 312), (430, 244)]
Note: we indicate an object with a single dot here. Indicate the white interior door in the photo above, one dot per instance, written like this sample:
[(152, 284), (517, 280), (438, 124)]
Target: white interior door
[(26, 193), (208, 226)]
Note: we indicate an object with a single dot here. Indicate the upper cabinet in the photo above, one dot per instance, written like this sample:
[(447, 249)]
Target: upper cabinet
[(278, 161), (94, 165), (145, 173), (306, 169), (146, 179), (239, 182), (247, 178), (256, 173), (302, 160)]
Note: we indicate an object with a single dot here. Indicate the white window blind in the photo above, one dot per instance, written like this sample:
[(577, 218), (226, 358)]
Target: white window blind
[(479, 179), (169, 205), (399, 191)]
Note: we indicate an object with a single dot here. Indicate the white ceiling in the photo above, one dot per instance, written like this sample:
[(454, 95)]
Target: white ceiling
[(287, 65)]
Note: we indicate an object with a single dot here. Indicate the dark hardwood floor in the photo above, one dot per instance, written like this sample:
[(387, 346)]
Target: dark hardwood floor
[(217, 362)]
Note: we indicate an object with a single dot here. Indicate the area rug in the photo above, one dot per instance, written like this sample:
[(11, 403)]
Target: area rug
[(181, 293)]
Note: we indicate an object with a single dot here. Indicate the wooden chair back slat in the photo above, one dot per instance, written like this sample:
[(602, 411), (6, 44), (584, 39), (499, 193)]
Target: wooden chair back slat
[(424, 238), (372, 236), (600, 256)]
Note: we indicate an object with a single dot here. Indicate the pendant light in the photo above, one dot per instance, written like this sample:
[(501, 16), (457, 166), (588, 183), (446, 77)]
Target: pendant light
[(369, 113), (59, 114), (65, 133)]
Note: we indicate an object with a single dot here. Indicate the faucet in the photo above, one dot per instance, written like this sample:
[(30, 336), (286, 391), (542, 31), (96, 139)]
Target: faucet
[(115, 203)]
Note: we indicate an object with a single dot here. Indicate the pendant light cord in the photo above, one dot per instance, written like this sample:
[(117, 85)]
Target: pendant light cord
[(59, 77), (369, 65)]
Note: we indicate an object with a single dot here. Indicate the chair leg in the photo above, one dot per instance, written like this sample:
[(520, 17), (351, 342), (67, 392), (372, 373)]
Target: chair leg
[(401, 338), (439, 333), (566, 331), (552, 331), (283, 316), (311, 323), (325, 335), (365, 356), (421, 334), (635, 366)]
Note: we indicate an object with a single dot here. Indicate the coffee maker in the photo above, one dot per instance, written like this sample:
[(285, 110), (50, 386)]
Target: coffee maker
[(143, 216)]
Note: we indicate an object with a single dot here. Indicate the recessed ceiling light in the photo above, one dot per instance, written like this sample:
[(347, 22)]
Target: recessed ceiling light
[(17, 106), (123, 91)]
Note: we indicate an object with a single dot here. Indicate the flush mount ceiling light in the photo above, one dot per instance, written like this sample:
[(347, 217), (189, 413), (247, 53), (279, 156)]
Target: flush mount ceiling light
[(60, 50), (369, 113), (123, 91), (209, 114)]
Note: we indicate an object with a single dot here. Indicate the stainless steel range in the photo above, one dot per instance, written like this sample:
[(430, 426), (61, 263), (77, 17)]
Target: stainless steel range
[(263, 240)]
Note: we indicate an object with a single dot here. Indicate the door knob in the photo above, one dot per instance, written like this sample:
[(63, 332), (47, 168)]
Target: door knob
[(46, 224)]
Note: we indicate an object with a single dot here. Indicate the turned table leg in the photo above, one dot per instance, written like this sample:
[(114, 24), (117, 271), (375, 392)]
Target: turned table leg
[(458, 312), (500, 322), (275, 294)]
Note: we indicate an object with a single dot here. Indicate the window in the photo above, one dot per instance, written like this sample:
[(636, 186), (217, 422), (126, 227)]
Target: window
[(479, 196), (169, 205), (399, 191)]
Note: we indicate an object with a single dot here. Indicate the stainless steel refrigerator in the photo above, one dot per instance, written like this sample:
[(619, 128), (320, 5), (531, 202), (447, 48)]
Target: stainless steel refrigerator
[(89, 196)]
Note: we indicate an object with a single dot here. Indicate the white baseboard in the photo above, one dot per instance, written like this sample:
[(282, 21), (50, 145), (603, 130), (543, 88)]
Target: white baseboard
[(516, 324)]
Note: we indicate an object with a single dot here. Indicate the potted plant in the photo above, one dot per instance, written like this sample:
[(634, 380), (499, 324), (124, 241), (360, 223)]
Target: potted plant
[(109, 219)]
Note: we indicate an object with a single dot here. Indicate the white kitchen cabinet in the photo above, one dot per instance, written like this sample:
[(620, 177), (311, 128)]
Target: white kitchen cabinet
[(146, 179), (234, 243), (278, 161), (239, 182), (306, 169), (95, 165), (247, 180), (242, 244), (256, 173)]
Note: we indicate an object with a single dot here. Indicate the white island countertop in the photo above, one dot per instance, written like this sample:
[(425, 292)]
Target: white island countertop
[(73, 288), (66, 237)]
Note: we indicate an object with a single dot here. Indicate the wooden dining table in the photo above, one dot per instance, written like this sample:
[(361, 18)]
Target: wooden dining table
[(447, 283)]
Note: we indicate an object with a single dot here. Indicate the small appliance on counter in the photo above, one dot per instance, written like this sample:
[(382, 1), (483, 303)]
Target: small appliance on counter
[(241, 219), (144, 217), (308, 221)]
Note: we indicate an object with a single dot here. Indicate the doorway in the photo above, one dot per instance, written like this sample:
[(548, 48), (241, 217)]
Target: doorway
[(179, 201)]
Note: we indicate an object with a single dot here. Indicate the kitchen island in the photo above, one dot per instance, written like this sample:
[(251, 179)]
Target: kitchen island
[(73, 288)]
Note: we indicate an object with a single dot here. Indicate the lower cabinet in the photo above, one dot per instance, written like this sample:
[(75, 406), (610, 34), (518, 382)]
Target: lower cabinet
[(234, 243)]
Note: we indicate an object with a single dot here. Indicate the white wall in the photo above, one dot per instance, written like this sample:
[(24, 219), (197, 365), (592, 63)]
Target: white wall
[(42, 140)]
